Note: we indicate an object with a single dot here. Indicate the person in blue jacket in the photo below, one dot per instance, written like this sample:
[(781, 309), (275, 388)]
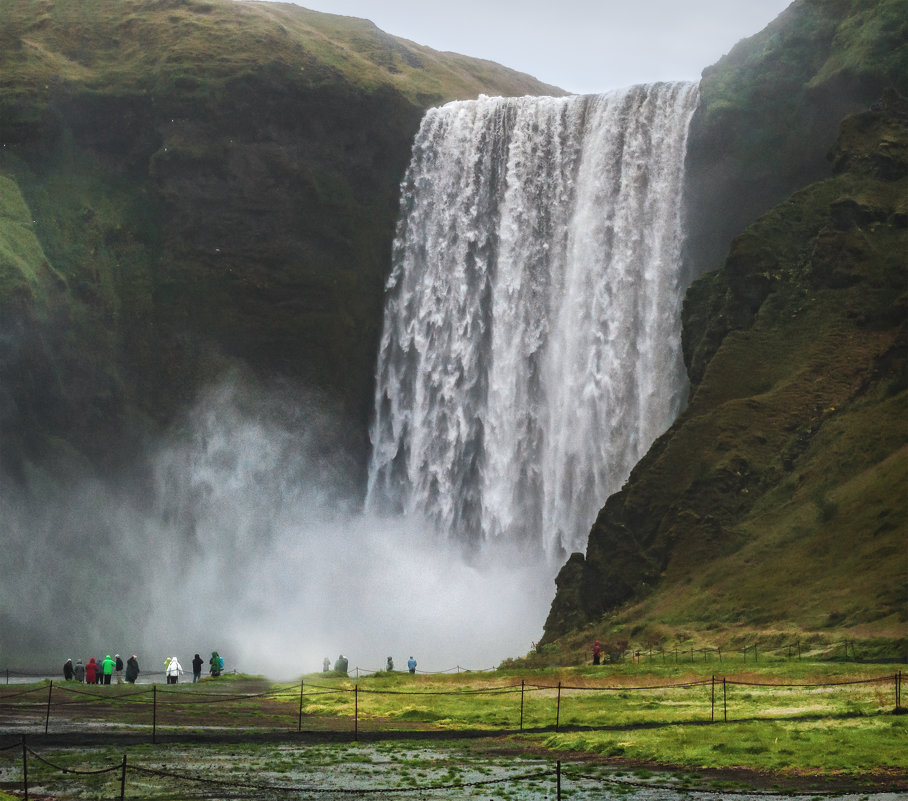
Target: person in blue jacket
[(411, 665)]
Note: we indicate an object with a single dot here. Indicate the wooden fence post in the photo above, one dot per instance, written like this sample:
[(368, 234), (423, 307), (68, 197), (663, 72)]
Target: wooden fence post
[(712, 702), (558, 708), (299, 725), (558, 780), (522, 683), (123, 780), (154, 713), (725, 699), (24, 768), (355, 711), (50, 689)]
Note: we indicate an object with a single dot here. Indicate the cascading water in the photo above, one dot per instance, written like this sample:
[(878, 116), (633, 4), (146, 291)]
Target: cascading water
[(531, 347)]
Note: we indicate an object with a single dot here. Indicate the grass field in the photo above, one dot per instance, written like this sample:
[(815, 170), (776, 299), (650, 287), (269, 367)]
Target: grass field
[(789, 724)]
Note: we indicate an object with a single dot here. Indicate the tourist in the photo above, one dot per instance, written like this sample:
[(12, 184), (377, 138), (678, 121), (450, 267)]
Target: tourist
[(411, 665), (215, 664), (107, 668), (390, 666), (118, 668), (174, 670), (597, 651), (197, 663), (340, 666), (68, 670), (91, 672), (132, 669), (326, 665), (79, 671)]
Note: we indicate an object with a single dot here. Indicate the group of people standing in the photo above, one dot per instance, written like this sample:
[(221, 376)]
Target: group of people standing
[(173, 669), (102, 670), (341, 665)]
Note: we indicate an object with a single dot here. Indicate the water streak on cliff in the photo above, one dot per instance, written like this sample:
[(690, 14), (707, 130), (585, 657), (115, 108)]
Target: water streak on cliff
[(531, 344)]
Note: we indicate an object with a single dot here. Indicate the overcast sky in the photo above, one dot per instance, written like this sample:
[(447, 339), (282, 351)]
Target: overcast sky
[(582, 46)]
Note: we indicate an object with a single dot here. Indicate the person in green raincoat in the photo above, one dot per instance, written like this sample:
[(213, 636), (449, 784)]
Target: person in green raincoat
[(214, 664), (107, 668)]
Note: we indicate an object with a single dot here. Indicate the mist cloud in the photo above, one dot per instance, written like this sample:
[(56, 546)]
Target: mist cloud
[(250, 541)]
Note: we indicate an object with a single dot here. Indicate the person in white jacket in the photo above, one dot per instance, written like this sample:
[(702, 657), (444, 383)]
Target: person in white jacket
[(174, 670)]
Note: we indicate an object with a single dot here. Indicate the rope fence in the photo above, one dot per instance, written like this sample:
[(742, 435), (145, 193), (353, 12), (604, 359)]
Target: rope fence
[(555, 774), (284, 708)]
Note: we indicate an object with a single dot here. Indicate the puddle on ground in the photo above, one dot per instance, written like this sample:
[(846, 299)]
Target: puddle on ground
[(388, 770)]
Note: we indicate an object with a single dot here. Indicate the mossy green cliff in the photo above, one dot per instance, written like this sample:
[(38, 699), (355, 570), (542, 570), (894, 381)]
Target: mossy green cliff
[(188, 186), (777, 501), (770, 110)]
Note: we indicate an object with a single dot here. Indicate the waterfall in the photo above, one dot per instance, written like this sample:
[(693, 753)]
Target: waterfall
[(531, 349)]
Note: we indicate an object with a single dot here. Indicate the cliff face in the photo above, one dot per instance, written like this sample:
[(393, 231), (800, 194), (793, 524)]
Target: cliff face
[(190, 187), (770, 111), (777, 499)]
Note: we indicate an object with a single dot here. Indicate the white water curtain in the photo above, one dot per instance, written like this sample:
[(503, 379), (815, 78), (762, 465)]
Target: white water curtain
[(531, 348)]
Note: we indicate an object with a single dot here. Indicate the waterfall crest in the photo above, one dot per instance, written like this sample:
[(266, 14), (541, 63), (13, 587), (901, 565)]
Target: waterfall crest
[(531, 349)]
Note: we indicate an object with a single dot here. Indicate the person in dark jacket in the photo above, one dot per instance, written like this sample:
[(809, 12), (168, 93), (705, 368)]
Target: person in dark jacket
[(68, 670), (118, 668), (79, 671), (132, 669), (197, 663)]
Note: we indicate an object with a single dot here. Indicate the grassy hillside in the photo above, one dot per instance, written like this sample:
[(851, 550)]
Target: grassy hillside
[(166, 45), (189, 186), (776, 504)]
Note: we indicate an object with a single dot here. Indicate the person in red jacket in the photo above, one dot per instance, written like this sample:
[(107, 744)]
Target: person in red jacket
[(91, 671)]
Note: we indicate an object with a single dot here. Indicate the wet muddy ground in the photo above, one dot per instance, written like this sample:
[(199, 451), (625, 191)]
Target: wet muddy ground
[(273, 752)]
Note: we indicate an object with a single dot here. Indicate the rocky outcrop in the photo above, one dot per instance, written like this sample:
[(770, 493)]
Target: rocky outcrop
[(770, 111)]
